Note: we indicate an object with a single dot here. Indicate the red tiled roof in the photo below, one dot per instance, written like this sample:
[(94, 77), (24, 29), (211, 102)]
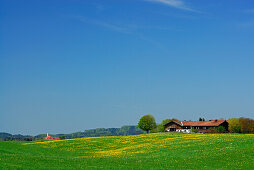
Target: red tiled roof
[(200, 123), (50, 137)]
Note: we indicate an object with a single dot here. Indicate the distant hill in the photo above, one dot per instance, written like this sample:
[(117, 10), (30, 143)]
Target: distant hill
[(5, 135), (8, 136), (123, 131)]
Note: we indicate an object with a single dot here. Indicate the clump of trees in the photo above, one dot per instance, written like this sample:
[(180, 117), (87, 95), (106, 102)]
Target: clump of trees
[(241, 125), (201, 119)]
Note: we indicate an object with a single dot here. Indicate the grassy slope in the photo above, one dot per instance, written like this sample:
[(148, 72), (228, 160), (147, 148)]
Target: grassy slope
[(170, 150)]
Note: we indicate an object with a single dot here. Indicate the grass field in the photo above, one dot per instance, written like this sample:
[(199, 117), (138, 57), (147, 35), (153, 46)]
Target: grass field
[(152, 151)]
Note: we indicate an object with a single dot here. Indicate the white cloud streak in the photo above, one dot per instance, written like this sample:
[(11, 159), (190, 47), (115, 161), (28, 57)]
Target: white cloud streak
[(130, 30), (104, 24), (174, 3), (249, 11)]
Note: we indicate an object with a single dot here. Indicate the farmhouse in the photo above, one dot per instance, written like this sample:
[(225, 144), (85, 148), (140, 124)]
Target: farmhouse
[(186, 126), (50, 137)]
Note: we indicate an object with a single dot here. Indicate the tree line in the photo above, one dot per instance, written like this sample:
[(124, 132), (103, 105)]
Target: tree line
[(123, 131), (235, 125), (241, 125)]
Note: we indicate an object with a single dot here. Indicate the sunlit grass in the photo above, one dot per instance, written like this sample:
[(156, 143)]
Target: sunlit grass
[(159, 151)]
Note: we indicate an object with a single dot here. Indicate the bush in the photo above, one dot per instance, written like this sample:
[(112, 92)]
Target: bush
[(62, 137), (194, 130), (28, 139), (220, 129)]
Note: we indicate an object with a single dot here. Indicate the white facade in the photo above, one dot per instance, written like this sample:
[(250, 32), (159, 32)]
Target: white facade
[(183, 130)]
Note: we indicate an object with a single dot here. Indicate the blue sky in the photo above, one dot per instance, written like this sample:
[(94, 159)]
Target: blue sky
[(71, 65)]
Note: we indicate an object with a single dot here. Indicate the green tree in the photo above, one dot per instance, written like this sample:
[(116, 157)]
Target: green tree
[(234, 125), (247, 125), (147, 123)]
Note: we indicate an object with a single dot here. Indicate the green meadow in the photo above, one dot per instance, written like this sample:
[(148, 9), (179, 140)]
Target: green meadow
[(149, 151)]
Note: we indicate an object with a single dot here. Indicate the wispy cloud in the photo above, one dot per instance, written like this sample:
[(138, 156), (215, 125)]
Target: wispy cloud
[(174, 3), (112, 27), (125, 29), (247, 24), (249, 11)]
